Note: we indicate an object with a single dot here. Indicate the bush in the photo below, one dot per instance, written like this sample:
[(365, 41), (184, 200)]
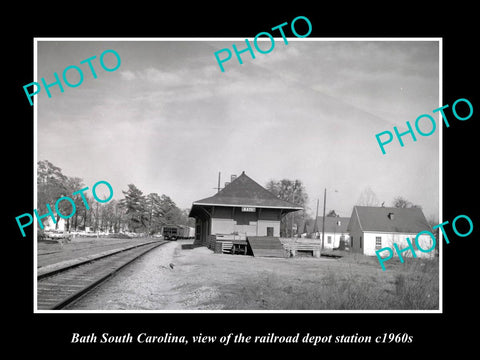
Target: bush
[(41, 235)]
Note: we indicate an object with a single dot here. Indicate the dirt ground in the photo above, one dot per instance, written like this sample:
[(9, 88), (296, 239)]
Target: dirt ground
[(172, 278)]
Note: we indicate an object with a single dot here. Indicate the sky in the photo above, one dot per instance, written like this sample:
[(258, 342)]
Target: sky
[(169, 120)]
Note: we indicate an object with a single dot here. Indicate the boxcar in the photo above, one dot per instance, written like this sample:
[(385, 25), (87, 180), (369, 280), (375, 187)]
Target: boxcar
[(170, 232), (174, 232)]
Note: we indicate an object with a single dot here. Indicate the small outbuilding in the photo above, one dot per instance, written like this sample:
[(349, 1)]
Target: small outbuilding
[(336, 233), (242, 209), (372, 228)]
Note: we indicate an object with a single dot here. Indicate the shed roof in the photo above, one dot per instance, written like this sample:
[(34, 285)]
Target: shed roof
[(243, 191), (405, 220)]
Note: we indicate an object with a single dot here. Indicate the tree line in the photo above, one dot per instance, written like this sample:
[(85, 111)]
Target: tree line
[(141, 213), (136, 212)]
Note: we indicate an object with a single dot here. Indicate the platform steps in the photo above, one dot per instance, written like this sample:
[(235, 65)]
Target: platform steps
[(266, 246)]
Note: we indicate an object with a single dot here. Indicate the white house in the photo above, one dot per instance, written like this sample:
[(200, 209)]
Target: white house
[(335, 231), (50, 226), (373, 228)]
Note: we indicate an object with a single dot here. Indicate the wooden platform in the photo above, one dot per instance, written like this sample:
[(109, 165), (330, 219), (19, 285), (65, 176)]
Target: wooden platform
[(268, 246), (296, 247), (239, 247), (223, 247)]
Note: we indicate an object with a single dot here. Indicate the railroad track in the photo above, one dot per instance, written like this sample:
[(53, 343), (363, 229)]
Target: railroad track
[(83, 248), (87, 246), (58, 288)]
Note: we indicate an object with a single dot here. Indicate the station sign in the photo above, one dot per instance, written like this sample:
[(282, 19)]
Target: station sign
[(248, 209)]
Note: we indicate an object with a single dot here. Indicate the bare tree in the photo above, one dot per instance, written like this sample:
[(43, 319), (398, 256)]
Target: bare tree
[(401, 202), (368, 198), (294, 192), (332, 213)]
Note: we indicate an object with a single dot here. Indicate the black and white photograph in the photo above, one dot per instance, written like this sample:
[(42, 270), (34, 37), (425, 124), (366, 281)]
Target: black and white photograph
[(304, 199), (285, 181)]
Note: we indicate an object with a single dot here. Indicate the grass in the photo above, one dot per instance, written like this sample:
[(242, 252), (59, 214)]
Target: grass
[(417, 287), (355, 285)]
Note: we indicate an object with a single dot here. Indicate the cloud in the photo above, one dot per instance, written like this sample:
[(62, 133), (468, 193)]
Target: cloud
[(294, 112), (128, 75), (154, 76), (162, 77)]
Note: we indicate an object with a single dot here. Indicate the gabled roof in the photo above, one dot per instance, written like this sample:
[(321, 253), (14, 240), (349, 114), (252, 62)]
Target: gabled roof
[(332, 224), (405, 220), (243, 191)]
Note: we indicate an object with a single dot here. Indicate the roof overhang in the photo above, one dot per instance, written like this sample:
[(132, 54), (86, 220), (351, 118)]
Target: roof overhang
[(197, 205), (250, 205)]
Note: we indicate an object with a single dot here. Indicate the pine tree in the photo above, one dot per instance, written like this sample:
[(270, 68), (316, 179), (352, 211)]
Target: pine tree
[(135, 206)]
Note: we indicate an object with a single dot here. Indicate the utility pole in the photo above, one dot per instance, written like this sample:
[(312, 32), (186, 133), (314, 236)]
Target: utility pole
[(315, 227), (323, 226), (293, 213)]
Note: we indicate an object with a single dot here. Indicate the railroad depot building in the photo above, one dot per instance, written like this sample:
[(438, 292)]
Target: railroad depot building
[(372, 228), (242, 209)]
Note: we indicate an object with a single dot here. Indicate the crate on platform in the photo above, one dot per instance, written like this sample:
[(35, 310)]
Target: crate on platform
[(211, 242)]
